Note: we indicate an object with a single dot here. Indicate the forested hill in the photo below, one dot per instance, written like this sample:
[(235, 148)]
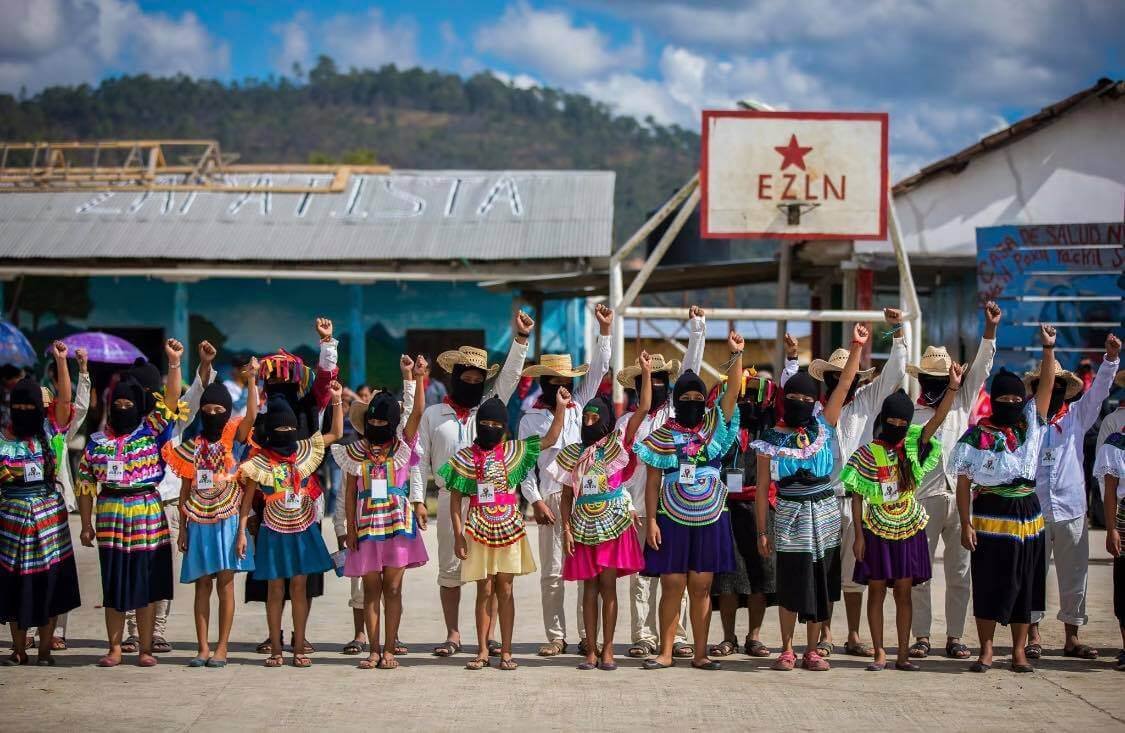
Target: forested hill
[(405, 118)]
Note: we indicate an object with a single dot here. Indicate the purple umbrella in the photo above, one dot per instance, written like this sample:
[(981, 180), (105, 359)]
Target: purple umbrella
[(14, 348), (103, 347)]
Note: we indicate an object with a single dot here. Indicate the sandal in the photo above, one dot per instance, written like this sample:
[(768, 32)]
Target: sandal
[(1033, 651), (642, 649), (15, 660), (610, 667), (478, 664), (957, 650), (876, 667), (813, 662), (369, 663), (921, 649), (160, 645), (907, 667), (508, 665), (1022, 668), (552, 648), (979, 667), (264, 648), (858, 650), (47, 661), (447, 649), (709, 666), (388, 661), (825, 648), (587, 666), (723, 649), (1081, 651), (755, 648), (784, 662), (651, 664), (274, 660), (306, 649), (683, 650), (131, 644), (494, 648), (105, 662), (400, 648), (58, 644), (300, 661), (146, 660), (353, 647)]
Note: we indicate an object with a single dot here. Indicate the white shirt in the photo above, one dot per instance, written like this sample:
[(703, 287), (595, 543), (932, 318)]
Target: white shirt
[(441, 434), (857, 417), (1112, 423), (81, 407), (537, 421), (942, 480), (171, 483), (693, 360), (1060, 480)]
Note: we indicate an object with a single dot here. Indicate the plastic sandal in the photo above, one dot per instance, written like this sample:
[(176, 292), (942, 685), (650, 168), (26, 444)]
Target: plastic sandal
[(388, 661), (858, 650), (447, 649), (107, 661), (611, 667), (552, 648), (368, 663), (907, 667), (267, 646), (15, 660), (642, 649), (1033, 651), (587, 666), (45, 661), (401, 649), (160, 645), (146, 660), (131, 644), (651, 664), (353, 647), (1022, 668), (493, 648), (956, 650), (275, 660), (825, 649), (300, 661), (979, 667), (1081, 651), (755, 648), (784, 662), (723, 649), (508, 665), (477, 664), (216, 663), (709, 666), (197, 662), (58, 644), (876, 667), (813, 662), (683, 650), (921, 649)]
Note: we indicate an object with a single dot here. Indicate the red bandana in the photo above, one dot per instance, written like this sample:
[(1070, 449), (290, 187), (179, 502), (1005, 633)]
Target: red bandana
[(463, 413)]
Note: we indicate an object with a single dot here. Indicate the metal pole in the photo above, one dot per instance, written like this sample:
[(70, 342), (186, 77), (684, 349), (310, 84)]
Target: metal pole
[(906, 283), (658, 253), (783, 272), (654, 221), (760, 314), (618, 344), (180, 314)]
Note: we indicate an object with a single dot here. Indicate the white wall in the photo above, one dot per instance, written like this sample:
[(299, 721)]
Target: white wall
[(1071, 171)]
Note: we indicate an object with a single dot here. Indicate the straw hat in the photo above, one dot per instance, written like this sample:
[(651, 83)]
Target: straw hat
[(627, 375), (467, 356), (935, 362), (555, 365), (1074, 385), (836, 363), (357, 411), (1120, 378)]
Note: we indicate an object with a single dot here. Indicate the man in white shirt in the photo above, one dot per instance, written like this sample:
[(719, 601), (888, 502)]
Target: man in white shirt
[(446, 428), (853, 430), (937, 490), (554, 372), (642, 590), (1060, 483), (239, 384)]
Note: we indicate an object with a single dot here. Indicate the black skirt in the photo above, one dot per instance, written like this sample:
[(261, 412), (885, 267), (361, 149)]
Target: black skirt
[(1119, 589), (1009, 566)]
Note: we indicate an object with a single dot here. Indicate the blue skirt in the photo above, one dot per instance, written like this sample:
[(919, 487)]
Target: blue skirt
[(210, 550), (705, 549), (287, 555)]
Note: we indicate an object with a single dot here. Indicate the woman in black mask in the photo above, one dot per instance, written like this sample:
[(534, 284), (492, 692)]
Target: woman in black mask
[(382, 539), (290, 546), (891, 548), (491, 540), (214, 512), (38, 578)]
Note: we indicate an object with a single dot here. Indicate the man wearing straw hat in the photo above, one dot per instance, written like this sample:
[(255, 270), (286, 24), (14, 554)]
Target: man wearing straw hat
[(555, 372), (937, 490), (642, 590), (1060, 483), (853, 430), (448, 427)]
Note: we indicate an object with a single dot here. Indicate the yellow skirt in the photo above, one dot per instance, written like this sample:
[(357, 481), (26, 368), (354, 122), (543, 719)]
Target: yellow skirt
[(483, 561)]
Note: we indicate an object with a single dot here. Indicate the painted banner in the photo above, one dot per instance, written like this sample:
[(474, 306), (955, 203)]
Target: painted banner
[(1068, 275)]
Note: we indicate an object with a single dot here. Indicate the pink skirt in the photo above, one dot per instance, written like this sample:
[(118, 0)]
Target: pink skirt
[(623, 554), (371, 556)]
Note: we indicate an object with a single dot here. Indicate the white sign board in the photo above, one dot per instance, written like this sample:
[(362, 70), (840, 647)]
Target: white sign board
[(831, 165)]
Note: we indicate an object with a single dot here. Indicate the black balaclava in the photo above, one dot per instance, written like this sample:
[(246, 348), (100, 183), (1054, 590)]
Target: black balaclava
[(491, 409), (124, 420), (551, 391), (659, 389), (216, 393), (382, 406), (1006, 383), (897, 405), (689, 413), (593, 433), (464, 394), (1058, 396), (832, 378), (754, 408), (932, 388), (794, 413), (148, 376), (280, 415), (27, 423)]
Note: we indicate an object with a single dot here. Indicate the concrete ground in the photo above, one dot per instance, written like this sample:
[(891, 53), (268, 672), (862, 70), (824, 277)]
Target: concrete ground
[(434, 694)]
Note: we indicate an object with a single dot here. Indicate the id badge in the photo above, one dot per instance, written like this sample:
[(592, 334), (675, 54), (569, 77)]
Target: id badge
[(775, 471), (890, 491), (486, 493), (115, 471), (292, 500), (590, 484), (205, 479), (33, 471), (734, 480), (1050, 456), (687, 474), (379, 488)]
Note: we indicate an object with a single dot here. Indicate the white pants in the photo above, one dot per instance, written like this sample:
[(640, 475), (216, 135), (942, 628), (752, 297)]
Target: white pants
[(1069, 542), (643, 605), (551, 585), (847, 551), (449, 566), (944, 524), (163, 608)]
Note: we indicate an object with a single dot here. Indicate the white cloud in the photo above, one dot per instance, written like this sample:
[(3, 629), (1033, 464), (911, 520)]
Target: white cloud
[(44, 42), (519, 81), (363, 40), (551, 43)]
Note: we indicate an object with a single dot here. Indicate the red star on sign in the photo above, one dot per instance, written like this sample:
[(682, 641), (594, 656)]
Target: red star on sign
[(792, 154)]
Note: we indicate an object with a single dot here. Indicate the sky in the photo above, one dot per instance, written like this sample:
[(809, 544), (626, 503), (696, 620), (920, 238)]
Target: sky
[(947, 71)]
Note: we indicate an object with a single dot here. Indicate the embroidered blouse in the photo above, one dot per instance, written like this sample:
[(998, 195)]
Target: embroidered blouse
[(22, 462), (603, 510), (692, 492), (891, 510), (494, 474), (1002, 460), (801, 462), (284, 483), (215, 494), (383, 507), (1110, 461), (126, 461)]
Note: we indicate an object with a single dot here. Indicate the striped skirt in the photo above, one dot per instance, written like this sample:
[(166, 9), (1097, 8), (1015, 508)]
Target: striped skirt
[(38, 577), (134, 547), (806, 534), (1009, 566)]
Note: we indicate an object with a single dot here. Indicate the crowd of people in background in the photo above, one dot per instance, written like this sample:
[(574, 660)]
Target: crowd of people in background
[(796, 493)]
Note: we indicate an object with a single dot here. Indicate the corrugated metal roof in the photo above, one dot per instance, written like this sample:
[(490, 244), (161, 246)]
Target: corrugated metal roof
[(405, 215)]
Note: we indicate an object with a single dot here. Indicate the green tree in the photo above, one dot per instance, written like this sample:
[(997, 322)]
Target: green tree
[(66, 298)]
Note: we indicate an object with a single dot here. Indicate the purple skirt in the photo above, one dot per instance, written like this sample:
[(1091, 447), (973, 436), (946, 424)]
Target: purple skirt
[(373, 556), (684, 549), (890, 560)]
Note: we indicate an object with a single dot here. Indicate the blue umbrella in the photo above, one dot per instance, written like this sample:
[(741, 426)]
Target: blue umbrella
[(14, 347)]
